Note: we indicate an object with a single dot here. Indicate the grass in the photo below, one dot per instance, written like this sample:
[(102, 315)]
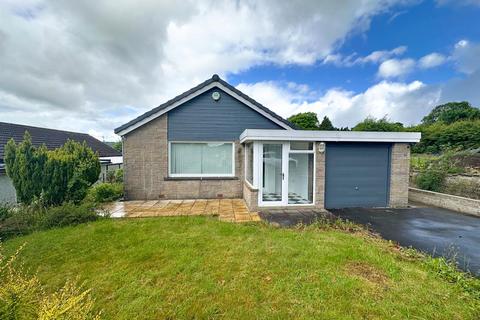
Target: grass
[(198, 267)]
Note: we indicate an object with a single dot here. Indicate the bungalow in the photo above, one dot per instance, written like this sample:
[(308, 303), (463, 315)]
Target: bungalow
[(110, 159), (213, 141)]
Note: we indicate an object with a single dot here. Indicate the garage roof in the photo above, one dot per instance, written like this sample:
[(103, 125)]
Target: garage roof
[(337, 136)]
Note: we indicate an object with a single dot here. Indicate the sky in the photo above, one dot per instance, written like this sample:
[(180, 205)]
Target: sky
[(90, 66)]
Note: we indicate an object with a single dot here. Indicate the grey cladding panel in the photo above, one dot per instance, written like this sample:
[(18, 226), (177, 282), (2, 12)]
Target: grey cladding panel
[(203, 119), (357, 175)]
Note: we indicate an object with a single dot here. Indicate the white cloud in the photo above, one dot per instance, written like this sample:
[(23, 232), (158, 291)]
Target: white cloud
[(431, 60), (373, 57), (404, 102), (85, 65), (467, 56), (395, 68)]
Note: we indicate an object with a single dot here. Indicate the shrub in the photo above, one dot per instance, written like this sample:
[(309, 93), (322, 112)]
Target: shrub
[(119, 175), (421, 162), (23, 297), (373, 124), (68, 214), (56, 176), (5, 211), (431, 179), (25, 219), (105, 192), (115, 176), (439, 136)]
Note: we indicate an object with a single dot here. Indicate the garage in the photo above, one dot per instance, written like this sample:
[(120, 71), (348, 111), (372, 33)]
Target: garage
[(326, 169), (357, 175)]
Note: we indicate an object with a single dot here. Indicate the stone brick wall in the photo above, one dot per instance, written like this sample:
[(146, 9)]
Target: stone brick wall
[(399, 175), (146, 169), (319, 178), (250, 195), (447, 201)]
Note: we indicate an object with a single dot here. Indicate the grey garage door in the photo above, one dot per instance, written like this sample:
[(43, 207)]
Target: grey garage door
[(357, 175)]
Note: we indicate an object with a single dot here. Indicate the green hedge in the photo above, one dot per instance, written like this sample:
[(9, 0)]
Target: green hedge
[(105, 192), (438, 137), (24, 219)]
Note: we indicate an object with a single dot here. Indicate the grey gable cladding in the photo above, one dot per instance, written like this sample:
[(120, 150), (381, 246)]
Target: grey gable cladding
[(214, 78), (203, 119)]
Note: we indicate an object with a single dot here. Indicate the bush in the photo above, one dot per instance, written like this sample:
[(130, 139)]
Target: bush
[(373, 124), (421, 162), (68, 214), (115, 176), (23, 297), (105, 192), (25, 219), (431, 179), (55, 176), (5, 211), (461, 135)]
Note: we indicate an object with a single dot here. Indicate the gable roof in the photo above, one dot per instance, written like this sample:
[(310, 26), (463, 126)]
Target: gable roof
[(214, 81), (51, 138)]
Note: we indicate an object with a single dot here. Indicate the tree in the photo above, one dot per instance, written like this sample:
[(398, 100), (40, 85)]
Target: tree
[(63, 174), (451, 112), (373, 124), (305, 120), (326, 124), (24, 165), (117, 145), (438, 137)]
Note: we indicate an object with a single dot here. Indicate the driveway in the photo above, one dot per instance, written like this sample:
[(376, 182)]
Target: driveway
[(439, 232)]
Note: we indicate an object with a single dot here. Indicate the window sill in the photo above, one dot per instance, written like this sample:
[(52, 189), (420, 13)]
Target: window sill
[(198, 178)]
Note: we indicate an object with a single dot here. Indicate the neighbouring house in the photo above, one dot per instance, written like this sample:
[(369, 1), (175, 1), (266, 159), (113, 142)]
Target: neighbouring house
[(110, 159), (213, 141)]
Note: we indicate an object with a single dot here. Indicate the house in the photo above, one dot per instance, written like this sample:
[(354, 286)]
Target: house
[(110, 159), (213, 141)]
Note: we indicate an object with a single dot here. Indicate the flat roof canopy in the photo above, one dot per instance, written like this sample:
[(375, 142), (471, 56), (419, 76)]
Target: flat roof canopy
[(337, 136)]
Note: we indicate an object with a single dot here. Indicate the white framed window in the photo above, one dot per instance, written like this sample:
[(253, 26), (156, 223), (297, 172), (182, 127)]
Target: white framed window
[(201, 159)]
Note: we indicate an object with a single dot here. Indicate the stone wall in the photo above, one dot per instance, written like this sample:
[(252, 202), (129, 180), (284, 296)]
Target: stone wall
[(399, 175), (447, 201), (146, 169), (319, 178), (250, 195)]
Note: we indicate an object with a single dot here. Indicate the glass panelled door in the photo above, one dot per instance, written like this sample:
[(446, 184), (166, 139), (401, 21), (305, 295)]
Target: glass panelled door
[(287, 173), (273, 174)]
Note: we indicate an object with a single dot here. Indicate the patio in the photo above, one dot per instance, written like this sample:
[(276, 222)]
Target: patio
[(230, 210)]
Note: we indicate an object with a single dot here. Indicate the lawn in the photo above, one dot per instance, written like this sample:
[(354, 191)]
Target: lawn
[(198, 267)]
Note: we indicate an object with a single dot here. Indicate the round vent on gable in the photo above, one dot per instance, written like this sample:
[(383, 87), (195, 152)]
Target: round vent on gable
[(216, 95)]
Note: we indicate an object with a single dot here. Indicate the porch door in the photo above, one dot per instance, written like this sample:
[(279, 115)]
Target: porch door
[(273, 172)]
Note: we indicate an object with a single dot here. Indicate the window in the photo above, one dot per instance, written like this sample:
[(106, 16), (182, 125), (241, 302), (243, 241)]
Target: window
[(201, 159), (300, 145), (249, 162), (300, 172)]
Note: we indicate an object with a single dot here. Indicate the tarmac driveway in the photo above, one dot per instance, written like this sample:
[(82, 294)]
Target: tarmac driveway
[(439, 232)]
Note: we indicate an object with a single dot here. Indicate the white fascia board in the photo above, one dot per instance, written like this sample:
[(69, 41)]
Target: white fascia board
[(334, 136), (195, 94)]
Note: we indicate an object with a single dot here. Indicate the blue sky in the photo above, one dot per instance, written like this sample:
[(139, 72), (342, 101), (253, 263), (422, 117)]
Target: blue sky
[(423, 28), (92, 66)]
